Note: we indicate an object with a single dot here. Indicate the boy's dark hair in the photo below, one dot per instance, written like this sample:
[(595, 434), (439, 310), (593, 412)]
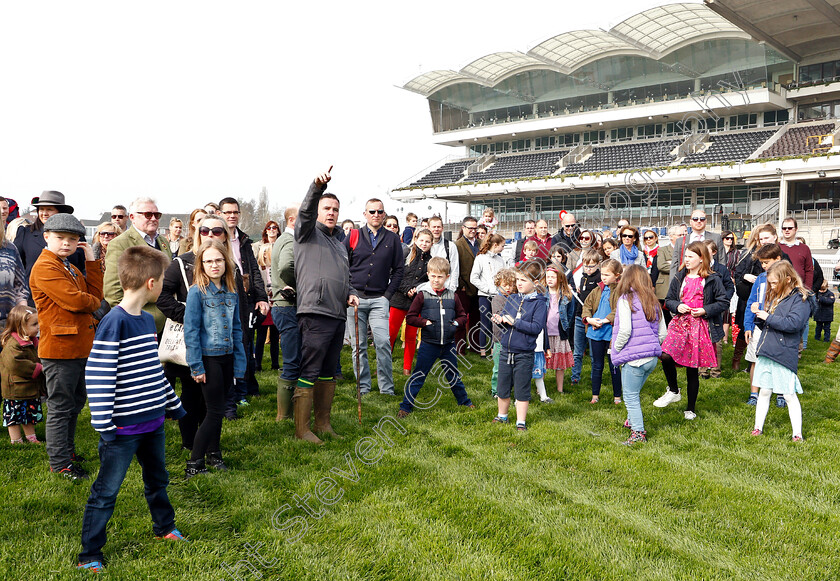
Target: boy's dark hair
[(438, 264), (228, 200), (713, 248), (137, 264), (769, 252)]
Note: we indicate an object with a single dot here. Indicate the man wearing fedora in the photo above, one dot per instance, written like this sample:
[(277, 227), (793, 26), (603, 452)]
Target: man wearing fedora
[(145, 220), (30, 239)]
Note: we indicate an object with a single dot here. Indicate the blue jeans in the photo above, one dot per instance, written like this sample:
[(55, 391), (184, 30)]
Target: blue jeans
[(598, 352), (114, 459), (804, 333), (580, 346), (632, 380), (373, 313), (447, 376), (515, 371), (285, 319)]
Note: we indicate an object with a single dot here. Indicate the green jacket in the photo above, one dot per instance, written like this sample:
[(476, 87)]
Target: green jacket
[(112, 290), (283, 268)]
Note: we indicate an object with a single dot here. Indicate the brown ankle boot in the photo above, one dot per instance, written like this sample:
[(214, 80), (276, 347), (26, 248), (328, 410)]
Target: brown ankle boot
[(324, 394), (302, 400), (738, 352), (284, 399), (833, 351)]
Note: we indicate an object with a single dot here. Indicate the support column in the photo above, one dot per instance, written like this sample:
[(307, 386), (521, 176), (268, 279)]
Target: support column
[(783, 201), (469, 208)]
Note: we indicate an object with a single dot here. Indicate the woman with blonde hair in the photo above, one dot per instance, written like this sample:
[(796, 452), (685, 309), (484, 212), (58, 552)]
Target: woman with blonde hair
[(174, 236), (105, 232)]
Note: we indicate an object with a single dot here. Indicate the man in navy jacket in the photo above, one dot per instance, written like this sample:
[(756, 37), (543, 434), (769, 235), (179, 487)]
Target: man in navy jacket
[(376, 270)]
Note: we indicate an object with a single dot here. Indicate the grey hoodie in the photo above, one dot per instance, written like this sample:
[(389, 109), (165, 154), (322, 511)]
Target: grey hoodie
[(321, 266)]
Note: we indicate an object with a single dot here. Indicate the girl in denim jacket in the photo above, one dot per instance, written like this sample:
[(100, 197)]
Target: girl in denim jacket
[(213, 337)]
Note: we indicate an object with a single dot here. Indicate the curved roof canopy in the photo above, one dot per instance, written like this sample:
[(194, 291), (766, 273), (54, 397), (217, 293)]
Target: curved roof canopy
[(653, 33), (802, 30)]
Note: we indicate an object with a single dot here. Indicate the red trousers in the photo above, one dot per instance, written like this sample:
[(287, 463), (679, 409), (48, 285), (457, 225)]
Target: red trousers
[(395, 321)]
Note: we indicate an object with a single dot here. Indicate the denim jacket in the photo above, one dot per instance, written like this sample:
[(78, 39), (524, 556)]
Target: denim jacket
[(212, 328)]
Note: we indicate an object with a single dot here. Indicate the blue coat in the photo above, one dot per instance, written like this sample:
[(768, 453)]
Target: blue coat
[(783, 330), (529, 313)]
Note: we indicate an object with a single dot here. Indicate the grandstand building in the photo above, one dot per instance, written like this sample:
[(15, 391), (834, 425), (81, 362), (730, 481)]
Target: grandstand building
[(729, 105)]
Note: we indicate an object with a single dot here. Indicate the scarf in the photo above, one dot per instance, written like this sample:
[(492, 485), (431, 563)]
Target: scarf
[(651, 254), (628, 256)]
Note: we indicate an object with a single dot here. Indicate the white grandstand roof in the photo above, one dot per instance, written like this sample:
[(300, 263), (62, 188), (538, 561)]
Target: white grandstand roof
[(802, 30), (653, 33)]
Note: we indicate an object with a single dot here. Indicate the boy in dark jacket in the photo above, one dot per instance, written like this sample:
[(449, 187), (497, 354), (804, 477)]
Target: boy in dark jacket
[(582, 286), (437, 311), (825, 312)]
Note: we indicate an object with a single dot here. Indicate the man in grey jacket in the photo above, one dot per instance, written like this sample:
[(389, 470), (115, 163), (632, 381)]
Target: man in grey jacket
[(322, 274)]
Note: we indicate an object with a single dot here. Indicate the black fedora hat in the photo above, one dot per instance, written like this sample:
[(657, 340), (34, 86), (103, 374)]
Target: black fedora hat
[(52, 198)]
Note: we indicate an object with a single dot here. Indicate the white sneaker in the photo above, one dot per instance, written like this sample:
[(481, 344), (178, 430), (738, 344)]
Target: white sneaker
[(689, 415), (667, 398)]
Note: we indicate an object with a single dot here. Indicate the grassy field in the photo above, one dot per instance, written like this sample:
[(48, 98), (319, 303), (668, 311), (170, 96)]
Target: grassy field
[(455, 497)]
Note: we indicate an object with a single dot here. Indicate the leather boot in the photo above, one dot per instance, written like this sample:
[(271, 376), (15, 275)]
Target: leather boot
[(214, 461), (740, 347), (833, 351), (324, 394), (302, 400), (284, 399), (195, 467), (714, 372)]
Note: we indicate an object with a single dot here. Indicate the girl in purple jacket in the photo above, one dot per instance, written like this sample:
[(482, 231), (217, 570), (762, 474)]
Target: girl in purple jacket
[(638, 332)]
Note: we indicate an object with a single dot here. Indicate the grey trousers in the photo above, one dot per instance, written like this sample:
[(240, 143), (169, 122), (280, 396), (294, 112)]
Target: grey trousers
[(66, 397)]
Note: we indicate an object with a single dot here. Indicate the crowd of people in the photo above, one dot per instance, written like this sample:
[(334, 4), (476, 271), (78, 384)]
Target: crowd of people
[(83, 322)]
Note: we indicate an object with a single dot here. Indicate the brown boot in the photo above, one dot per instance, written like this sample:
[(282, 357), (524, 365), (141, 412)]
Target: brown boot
[(738, 352), (302, 400), (324, 394), (284, 399), (833, 351)]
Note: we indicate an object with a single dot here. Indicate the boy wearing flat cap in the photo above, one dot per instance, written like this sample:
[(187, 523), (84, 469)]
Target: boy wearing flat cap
[(66, 300)]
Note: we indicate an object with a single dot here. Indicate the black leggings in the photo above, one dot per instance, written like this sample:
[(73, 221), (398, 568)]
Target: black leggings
[(273, 345), (692, 380), (218, 373)]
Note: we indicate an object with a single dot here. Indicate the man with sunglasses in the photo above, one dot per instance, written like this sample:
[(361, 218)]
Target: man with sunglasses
[(698, 233), (568, 234), (376, 270), (145, 220), (119, 217)]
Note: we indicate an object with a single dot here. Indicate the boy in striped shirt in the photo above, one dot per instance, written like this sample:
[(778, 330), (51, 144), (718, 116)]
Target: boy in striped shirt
[(129, 396)]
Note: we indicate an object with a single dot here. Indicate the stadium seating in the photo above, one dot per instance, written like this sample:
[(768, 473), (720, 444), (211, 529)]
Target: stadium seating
[(795, 141), (730, 147), (653, 153), (448, 173), (528, 165)]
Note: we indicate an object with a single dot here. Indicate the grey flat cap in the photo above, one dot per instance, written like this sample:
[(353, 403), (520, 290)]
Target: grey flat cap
[(64, 223)]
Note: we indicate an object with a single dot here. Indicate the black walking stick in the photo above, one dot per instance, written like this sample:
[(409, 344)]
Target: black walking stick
[(358, 354)]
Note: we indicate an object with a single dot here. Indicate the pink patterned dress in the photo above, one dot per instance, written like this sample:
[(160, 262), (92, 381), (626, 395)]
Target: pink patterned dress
[(688, 341)]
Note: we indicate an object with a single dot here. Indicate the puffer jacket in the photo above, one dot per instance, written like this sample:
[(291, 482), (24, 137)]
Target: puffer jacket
[(414, 275)]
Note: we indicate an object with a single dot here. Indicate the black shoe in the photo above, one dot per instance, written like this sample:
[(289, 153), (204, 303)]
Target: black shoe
[(77, 458), (339, 376), (214, 461), (72, 472), (231, 416), (195, 467)]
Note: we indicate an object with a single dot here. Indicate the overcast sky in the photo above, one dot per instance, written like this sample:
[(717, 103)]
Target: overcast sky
[(190, 101)]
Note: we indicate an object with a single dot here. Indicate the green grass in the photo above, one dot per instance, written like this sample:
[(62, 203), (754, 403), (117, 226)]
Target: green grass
[(456, 497)]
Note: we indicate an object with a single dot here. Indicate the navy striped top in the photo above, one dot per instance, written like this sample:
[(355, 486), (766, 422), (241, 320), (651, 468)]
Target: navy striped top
[(125, 381)]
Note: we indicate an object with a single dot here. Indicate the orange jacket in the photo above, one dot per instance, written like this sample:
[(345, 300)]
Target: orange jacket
[(65, 306)]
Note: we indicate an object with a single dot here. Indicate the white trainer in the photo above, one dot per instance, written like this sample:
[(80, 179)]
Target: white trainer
[(667, 398), (689, 415)]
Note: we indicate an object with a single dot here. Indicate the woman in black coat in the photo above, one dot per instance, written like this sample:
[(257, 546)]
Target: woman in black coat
[(414, 275)]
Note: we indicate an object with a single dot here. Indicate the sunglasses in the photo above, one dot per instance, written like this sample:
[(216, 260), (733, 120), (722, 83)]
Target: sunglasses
[(585, 238), (729, 238), (117, 216), (150, 215), (569, 225), (628, 235), (375, 212), (788, 228), (649, 238), (107, 234), (205, 231), (272, 228), (698, 219)]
